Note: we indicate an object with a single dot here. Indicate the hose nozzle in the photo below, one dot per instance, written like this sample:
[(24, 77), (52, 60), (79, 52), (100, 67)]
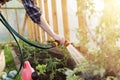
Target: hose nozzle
[(57, 43), (66, 43)]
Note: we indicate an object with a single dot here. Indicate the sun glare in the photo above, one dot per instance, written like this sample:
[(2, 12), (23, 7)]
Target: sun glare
[(110, 5), (99, 5)]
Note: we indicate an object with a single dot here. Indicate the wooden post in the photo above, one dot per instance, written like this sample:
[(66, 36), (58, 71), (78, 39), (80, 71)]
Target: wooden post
[(35, 31), (17, 21), (54, 15), (82, 21), (65, 19), (38, 33), (7, 19), (30, 29), (24, 23), (46, 14), (41, 31), (16, 14), (37, 28), (82, 25)]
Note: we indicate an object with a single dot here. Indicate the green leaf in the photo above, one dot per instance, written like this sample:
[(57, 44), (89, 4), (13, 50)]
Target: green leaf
[(41, 68)]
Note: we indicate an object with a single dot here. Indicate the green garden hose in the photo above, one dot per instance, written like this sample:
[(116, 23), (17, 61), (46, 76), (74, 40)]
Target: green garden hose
[(21, 37), (14, 33), (21, 57)]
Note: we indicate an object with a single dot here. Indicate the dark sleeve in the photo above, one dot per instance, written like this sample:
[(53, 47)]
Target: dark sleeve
[(32, 10), (4, 1)]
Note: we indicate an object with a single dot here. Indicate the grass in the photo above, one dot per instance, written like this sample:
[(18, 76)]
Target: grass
[(10, 65)]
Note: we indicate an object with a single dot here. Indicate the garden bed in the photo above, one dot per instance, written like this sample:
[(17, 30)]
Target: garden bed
[(56, 64), (56, 60)]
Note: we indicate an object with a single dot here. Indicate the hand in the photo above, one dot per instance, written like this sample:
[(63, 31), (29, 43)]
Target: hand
[(59, 38)]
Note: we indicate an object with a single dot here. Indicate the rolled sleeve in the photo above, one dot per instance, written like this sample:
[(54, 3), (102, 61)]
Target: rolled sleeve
[(32, 10)]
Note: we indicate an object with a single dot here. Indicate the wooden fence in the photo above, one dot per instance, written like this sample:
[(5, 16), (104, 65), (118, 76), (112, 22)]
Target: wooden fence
[(36, 33)]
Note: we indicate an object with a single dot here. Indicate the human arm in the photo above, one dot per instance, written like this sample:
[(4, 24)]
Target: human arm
[(35, 14), (46, 27), (37, 17)]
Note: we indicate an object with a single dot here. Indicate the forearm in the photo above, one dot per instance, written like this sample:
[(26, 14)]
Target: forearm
[(46, 27)]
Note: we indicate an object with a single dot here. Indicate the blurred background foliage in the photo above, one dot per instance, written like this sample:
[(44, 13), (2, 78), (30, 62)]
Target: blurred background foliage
[(105, 36)]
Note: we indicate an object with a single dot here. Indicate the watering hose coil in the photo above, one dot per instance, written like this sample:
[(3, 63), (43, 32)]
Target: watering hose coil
[(14, 33), (7, 25)]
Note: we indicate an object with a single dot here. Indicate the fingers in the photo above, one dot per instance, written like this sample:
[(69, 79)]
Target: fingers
[(60, 39)]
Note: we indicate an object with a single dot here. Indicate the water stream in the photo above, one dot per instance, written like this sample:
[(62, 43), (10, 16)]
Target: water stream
[(75, 54)]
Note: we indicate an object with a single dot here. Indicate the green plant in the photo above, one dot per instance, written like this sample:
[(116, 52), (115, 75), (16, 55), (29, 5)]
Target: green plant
[(85, 71), (71, 75), (10, 65), (41, 68), (52, 63), (32, 52), (105, 39), (18, 78), (52, 68), (65, 53), (2, 46), (108, 32), (111, 78)]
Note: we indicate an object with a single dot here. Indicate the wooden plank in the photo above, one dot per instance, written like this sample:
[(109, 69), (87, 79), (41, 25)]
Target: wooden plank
[(42, 33), (12, 8), (37, 32), (46, 10), (38, 38), (82, 21), (54, 15), (30, 29), (65, 19), (24, 24), (46, 14), (17, 23), (36, 28), (6, 12), (33, 31)]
